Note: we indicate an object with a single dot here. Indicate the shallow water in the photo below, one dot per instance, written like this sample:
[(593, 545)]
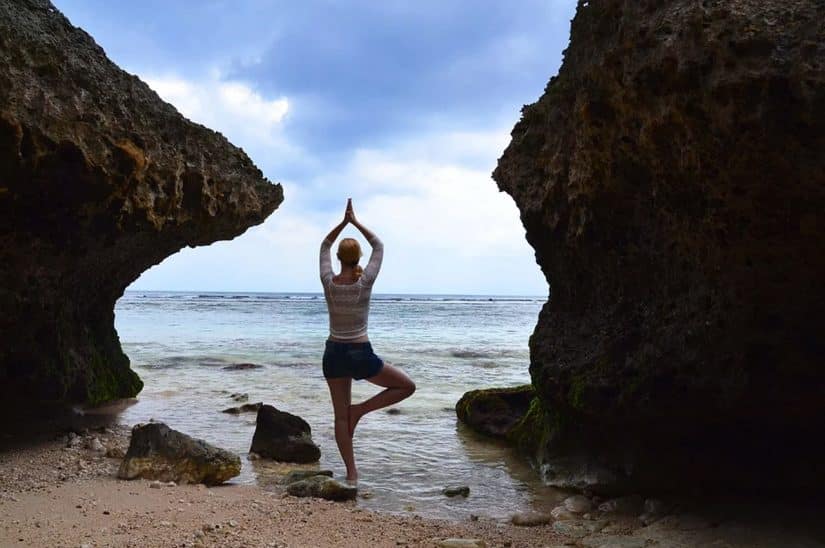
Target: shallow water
[(180, 342)]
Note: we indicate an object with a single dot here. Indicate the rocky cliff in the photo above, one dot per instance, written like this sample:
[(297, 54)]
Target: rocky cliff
[(99, 180), (672, 182)]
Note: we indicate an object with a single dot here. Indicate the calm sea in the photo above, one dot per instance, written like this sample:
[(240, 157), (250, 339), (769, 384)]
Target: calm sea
[(180, 342)]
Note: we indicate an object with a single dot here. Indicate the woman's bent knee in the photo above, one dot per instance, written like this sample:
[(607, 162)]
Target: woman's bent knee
[(408, 388)]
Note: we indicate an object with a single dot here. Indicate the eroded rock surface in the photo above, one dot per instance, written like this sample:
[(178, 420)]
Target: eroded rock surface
[(158, 452), (283, 437), (494, 411), (99, 180), (672, 182), (320, 486)]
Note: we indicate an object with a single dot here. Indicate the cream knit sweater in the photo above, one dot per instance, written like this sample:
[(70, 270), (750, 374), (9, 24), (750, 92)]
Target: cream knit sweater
[(349, 304)]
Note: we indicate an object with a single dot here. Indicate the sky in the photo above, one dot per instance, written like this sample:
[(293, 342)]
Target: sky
[(403, 106)]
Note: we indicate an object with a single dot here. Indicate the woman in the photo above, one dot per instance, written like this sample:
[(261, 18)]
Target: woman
[(348, 354)]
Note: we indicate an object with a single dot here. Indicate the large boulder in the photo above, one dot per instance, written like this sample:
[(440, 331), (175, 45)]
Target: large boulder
[(99, 180), (672, 182), (283, 437), (494, 411), (159, 453)]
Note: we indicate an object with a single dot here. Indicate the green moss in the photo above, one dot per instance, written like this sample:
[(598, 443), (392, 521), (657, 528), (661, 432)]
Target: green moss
[(490, 398), (91, 366), (491, 411), (575, 394), (533, 431), (109, 382)]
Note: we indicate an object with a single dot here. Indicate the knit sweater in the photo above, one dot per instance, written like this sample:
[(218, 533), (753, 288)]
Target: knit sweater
[(349, 304)]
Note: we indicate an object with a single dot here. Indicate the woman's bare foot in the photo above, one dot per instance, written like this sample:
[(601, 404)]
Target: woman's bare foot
[(355, 414)]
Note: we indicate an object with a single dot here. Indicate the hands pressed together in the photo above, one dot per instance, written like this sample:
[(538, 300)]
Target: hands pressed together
[(349, 214), (349, 218)]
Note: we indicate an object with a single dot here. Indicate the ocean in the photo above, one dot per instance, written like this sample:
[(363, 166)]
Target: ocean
[(181, 342)]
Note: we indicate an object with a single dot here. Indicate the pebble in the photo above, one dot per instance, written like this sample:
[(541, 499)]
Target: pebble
[(578, 529), (531, 519), (578, 504), (95, 446), (233, 523), (562, 513), (155, 485), (457, 490), (462, 543)]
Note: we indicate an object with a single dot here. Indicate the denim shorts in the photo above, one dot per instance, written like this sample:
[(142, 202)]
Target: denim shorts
[(356, 360)]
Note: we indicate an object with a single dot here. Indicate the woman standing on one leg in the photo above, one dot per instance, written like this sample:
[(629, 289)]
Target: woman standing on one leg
[(348, 354)]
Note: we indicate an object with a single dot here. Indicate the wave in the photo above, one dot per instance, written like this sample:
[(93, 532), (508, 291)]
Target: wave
[(469, 354), (180, 361), (387, 297)]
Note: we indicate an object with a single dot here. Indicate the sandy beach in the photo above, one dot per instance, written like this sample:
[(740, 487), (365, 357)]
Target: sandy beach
[(59, 489), (60, 492)]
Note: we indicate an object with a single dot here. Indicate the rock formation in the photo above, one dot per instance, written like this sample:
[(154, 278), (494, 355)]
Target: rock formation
[(494, 411), (671, 180), (99, 180), (157, 452), (283, 437), (323, 487)]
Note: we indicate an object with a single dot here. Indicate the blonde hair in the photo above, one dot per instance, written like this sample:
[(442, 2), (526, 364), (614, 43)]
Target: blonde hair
[(349, 253)]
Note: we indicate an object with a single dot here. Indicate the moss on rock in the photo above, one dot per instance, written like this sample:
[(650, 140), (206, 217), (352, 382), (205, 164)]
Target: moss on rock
[(494, 411)]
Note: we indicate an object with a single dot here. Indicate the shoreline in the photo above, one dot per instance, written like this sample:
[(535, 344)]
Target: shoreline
[(60, 489), (58, 492)]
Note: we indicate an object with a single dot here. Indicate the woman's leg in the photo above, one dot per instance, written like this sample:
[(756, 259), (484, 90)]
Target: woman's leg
[(340, 390), (398, 387)]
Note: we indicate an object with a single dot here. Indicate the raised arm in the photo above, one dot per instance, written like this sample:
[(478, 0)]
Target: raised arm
[(377, 255), (325, 261)]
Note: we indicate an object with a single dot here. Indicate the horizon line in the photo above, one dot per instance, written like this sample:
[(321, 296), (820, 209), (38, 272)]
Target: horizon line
[(321, 292)]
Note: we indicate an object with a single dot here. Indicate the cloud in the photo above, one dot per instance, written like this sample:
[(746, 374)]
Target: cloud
[(445, 226), (235, 108), (403, 107), (428, 194)]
